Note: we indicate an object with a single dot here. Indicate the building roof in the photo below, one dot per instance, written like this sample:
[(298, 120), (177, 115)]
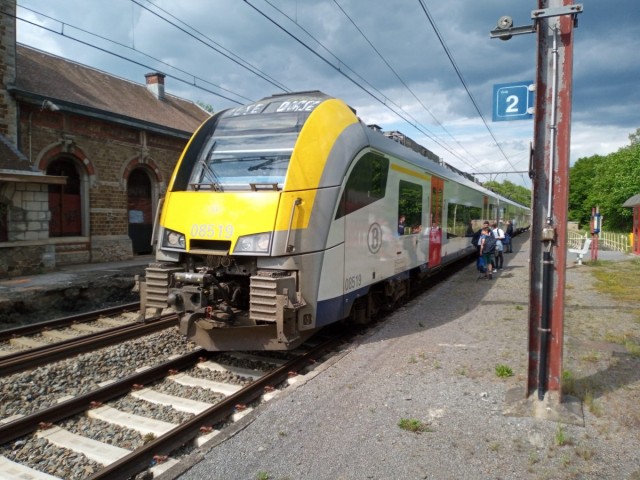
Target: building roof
[(633, 201), (70, 85)]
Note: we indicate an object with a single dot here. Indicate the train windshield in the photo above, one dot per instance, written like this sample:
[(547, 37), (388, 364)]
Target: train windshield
[(248, 152)]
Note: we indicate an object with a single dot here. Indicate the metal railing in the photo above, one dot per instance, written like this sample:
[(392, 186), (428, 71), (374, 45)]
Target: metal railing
[(619, 242)]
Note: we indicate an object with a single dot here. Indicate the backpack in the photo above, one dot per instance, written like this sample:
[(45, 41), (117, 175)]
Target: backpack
[(489, 244), (475, 240)]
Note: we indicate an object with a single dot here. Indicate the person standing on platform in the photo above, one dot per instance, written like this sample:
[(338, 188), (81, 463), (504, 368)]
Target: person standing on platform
[(498, 234), (487, 247), (508, 236)]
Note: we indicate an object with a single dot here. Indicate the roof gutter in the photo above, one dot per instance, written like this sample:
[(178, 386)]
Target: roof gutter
[(37, 99)]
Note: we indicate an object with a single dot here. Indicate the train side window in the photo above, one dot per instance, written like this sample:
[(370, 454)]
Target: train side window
[(409, 207), (462, 220), (366, 184)]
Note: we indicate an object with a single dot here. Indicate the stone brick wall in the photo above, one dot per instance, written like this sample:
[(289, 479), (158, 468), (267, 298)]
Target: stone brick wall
[(26, 259), (28, 216)]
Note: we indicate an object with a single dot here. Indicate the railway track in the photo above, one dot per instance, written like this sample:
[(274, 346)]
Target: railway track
[(70, 342), (62, 322), (228, 399)]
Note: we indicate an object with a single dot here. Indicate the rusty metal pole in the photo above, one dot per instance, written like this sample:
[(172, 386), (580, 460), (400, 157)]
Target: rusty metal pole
[(550, 172)]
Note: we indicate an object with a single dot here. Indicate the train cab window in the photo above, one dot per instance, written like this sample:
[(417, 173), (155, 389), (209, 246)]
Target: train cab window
[(247, 153), (366, 184), (409, 208)]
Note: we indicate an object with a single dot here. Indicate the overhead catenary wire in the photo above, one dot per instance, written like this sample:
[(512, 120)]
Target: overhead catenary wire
[(122, 57), (341, 67), (462, 80), (385, 101), (401, 80), (216, 46)]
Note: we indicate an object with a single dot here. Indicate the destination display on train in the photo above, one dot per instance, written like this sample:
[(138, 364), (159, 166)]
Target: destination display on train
[(302, 104)]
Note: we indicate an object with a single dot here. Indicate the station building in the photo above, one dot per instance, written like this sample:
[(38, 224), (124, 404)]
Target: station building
[(84, 158)]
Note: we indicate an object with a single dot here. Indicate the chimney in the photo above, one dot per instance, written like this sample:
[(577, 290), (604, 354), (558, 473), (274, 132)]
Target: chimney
[(155, 84)]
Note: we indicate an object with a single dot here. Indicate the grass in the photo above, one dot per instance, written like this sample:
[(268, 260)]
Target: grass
[(621, 280), (591, 357), (584, 390), (561, 436), (504, 371), (413, 425)]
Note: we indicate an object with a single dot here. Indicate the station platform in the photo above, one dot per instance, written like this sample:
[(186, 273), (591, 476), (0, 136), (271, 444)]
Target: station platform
[(68, 290)]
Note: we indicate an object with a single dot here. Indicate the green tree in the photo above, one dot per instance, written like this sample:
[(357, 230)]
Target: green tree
[(619, 179), (582, 191), (205, 106), (510, 190), (606, 182)]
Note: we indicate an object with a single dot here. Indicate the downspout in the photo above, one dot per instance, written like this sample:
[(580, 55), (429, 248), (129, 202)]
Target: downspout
[(547, 283)]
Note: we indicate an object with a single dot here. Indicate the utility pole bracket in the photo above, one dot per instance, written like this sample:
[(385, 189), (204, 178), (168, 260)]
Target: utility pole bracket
[(505, 29)]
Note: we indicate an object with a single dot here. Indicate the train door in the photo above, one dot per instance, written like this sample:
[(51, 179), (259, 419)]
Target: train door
[(435, 231), (367, 233)]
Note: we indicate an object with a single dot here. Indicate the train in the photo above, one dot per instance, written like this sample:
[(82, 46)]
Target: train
[(289, 214)]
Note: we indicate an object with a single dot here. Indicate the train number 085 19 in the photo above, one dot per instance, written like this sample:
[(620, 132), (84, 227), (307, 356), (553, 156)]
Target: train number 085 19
[(210, 230), (353, 281)]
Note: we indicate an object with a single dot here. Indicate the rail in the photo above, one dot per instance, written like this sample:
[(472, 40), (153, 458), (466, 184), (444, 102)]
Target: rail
[(66, 321), (34, 357)]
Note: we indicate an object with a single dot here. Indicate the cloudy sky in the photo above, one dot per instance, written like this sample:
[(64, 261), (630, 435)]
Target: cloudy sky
[(386, 59)]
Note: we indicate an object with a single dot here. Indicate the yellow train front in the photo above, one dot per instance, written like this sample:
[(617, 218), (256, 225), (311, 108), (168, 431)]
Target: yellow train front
[(282, 217)]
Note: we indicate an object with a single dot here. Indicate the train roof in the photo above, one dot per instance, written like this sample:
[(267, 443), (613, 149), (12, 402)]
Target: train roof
[(383, 143)]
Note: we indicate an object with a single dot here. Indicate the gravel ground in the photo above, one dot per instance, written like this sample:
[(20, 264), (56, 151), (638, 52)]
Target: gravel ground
[(434, 361)]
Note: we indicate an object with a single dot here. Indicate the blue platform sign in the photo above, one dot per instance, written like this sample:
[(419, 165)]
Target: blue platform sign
[(513, 101)]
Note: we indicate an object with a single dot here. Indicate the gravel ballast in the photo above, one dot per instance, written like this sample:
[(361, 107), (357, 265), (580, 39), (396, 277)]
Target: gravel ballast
[(434, 361)]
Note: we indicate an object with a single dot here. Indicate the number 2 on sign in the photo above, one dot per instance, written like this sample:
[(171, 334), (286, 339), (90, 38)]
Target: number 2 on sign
[(512, 104)]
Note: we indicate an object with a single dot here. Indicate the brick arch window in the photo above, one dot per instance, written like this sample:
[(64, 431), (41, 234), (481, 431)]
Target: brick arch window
[(65, 201)]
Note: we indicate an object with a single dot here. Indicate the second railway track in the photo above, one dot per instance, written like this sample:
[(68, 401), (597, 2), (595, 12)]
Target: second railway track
[(20, 360)]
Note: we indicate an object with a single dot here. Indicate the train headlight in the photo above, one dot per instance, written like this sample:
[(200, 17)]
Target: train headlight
[(259, 243), (173, 240)]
